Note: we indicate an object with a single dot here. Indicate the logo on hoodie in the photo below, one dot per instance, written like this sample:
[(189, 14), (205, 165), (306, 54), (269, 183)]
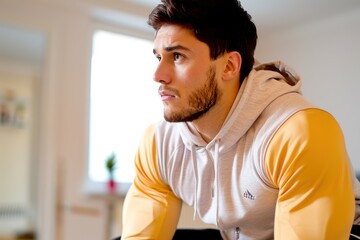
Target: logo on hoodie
[(248, 195)]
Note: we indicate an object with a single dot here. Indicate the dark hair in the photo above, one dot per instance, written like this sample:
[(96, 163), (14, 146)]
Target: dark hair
[(222, 24)]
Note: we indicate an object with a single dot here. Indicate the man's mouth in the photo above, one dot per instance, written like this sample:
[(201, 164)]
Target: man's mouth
[(167, 94)]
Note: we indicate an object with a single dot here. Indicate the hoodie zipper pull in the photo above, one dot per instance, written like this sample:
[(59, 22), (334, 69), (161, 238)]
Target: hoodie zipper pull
[(237, 233)]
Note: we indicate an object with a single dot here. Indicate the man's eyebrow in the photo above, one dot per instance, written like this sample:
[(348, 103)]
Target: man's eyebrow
[(173, 48)]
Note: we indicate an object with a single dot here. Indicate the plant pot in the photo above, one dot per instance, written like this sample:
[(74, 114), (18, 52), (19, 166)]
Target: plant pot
[(111, 185)]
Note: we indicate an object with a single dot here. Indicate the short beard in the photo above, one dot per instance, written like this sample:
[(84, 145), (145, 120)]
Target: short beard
[(200, 101)]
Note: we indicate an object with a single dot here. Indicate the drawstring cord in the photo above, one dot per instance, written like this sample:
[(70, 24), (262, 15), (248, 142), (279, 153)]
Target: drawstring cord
[(216, 160), (193, 158), (194, 162)]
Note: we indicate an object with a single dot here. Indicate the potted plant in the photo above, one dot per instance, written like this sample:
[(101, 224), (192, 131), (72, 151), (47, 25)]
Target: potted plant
[(110, 164)]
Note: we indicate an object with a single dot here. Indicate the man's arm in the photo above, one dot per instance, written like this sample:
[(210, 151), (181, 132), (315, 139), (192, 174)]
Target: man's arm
[(151, 210), (307, 161)]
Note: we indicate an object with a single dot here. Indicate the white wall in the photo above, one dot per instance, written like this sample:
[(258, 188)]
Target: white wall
[(327, 56), (16, 150), (63, 116)]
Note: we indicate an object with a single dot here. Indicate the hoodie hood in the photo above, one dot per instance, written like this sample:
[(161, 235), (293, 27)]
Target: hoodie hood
[(264, 84)]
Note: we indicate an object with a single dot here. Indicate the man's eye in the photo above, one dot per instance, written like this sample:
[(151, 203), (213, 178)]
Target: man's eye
[(158, 58), (177, 56)]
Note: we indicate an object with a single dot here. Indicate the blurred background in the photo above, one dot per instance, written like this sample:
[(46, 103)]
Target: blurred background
[(76, 86)]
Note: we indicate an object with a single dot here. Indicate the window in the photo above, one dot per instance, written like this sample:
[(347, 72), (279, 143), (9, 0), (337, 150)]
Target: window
[(123, 102)]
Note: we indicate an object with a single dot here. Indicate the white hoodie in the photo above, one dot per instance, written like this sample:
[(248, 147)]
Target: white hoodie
[(276, 160)]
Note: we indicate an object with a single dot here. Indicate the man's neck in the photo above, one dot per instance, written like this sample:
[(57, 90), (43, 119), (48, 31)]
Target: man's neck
[(211, 122)]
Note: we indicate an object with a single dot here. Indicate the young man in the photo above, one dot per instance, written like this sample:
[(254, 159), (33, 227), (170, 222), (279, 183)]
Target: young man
[(240, 144)]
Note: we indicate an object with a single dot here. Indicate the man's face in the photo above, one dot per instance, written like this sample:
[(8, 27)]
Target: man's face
[(186, 73)]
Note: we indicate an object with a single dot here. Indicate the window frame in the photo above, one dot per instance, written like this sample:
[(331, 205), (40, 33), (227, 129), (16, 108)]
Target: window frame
[(91, 187)]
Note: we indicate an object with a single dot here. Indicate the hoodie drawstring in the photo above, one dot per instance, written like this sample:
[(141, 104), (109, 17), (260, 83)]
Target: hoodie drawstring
[(195, 167), (215, 162), (193, 158)]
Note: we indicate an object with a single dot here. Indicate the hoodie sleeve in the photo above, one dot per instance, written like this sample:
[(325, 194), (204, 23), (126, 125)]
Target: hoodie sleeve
[(307, 161), (151, 210)]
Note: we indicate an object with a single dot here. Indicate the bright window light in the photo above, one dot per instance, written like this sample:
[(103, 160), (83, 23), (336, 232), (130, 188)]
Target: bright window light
[(123, 102)]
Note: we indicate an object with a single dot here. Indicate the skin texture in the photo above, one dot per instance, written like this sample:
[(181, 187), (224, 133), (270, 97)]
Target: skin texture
[(193, 86)]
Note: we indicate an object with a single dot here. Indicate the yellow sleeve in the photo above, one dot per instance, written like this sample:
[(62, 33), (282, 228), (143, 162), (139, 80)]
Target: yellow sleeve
[(151, 210), (307, 160)]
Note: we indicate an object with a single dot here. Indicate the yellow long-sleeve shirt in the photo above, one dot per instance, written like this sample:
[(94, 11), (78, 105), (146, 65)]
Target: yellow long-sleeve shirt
[(315, 197), (278, 169)]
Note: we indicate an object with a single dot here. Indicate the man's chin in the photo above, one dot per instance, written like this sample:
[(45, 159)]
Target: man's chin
[(182, 117)]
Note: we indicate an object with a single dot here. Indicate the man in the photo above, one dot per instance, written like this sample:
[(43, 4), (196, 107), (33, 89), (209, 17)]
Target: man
[(239, 143)]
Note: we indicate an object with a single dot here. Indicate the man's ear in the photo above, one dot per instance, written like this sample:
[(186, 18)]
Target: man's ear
[(232, 65)]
